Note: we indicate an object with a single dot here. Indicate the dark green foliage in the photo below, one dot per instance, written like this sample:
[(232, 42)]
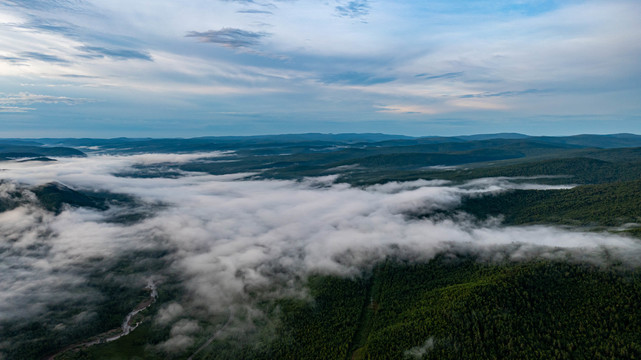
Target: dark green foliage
[(370, 163), (602, 141), (571, 170), (603, 204), (131, 347), (374, 160), (579, 170), (322, 328), (453, 307), (105, 299), (470, 310), (413, 160), (12, 151), (534, 310), (325, 328), (41, 158), (55, 196), (101, 304), (52, 196)]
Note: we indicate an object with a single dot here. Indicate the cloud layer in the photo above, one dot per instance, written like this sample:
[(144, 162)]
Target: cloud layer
[(229, 37), (486, 66), (231, 238)]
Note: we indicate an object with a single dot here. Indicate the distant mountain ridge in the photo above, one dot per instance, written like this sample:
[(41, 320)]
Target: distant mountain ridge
[(15, 151), (12, 148), (494, 136)]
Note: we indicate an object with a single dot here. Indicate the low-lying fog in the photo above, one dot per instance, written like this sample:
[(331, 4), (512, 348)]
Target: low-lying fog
[(229, 236)]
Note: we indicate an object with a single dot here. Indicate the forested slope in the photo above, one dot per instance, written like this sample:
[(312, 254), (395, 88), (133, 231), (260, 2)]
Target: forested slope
[(611, 204)]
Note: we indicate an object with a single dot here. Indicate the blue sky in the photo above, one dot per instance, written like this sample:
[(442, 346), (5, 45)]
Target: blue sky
[(160, 68)]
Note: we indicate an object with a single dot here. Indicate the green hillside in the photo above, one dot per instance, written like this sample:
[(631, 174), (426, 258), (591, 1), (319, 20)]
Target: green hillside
[(458, 305), (453, 307), (53, 196), (611, 204), (15, 151)]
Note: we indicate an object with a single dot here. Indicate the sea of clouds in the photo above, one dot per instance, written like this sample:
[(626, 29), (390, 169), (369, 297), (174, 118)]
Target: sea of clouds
[(229, 237)]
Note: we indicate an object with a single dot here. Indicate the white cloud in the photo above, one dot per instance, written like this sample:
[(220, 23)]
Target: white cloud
[(25, 98), (408, 109), (418, 352), (575, 52), (228, 238), (14, 109)]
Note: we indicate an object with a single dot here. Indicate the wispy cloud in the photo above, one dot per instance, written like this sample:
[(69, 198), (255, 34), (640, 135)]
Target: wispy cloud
[(14, 109), (408, 109), (449, 75), (232, 242), (28, 98), (78, 76), (242, 1), (47, 26), (407, 54), (504, 93), (356, 78), (477, 104), (253, 11), (45, 5), (51, 25), (14, 60), (118, 54), (354, 9), (229, 37), (43, 57), (445, 106)]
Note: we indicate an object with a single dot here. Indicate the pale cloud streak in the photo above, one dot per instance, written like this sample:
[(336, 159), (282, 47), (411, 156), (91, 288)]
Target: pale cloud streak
[(408, 109), (354, 9), (228, 37), (14, 109), (25, 98), (405, 53)]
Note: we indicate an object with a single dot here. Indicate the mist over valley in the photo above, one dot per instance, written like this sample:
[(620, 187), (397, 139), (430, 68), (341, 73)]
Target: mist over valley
[(345, 179), (251, 245)]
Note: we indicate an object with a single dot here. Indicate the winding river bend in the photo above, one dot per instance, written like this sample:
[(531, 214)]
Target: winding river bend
[(127, 325)]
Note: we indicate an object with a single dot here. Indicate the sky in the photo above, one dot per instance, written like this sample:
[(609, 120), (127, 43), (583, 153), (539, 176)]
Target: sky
[(160, 68)]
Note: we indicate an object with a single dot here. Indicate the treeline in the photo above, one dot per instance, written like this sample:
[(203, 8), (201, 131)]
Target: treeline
[(579, 170), (17, 151), (601, 205), (533, 310), (452, 307), (456, 307), (582, 167)]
